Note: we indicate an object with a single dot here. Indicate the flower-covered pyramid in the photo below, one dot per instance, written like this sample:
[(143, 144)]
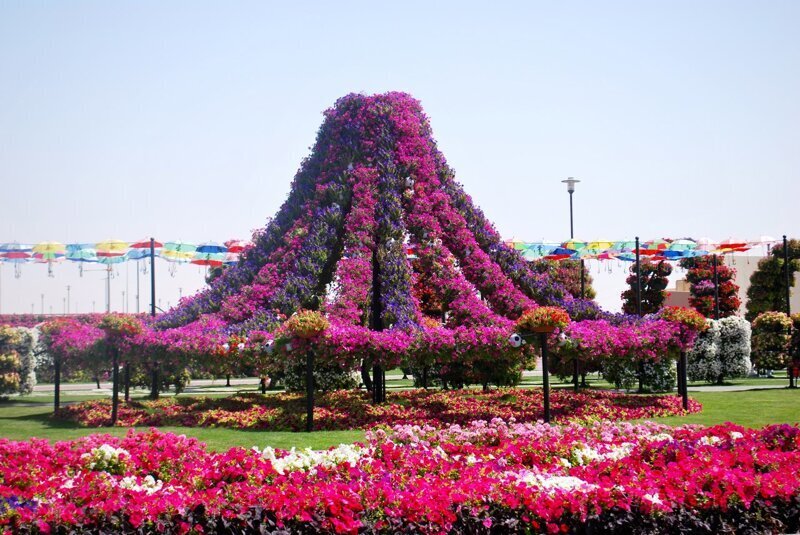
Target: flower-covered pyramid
[(374, 188), (375, 206)]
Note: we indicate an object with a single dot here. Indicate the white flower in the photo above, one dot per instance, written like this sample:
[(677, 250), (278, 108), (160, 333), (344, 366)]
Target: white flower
[(583, 454), (149, 484), (309, 459), (653, 498), (659, 437), (736, 435), (106, 458), (552, 483), (710, 440)]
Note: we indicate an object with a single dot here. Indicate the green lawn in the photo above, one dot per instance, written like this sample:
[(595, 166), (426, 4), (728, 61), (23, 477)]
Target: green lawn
[(24, 422), (19, 420), (751, 408)]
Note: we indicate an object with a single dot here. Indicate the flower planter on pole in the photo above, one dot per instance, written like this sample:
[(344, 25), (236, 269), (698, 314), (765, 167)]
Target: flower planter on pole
[(114, 385), (544, 321), (309, 390), (57, 386), (543, 333)]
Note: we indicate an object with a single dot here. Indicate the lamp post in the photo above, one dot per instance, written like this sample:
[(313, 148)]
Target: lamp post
[(570, 182), (790, 368)]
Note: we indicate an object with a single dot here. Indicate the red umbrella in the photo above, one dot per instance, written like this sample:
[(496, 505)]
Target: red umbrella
[(145, 244), (235, 246)]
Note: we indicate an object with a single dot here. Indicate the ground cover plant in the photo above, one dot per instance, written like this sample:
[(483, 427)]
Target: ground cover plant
[(487, 477), (353, 409)]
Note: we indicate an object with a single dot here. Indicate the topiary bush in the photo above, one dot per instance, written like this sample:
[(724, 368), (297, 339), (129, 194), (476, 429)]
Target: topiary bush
[(721, 352), (18, 364), (771, 338)]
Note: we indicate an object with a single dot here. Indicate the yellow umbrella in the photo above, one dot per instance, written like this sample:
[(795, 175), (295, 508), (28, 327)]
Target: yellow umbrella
[(49, 247), (111, 248)]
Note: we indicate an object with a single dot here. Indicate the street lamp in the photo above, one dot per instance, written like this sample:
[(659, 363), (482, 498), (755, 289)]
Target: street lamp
[(570, 182)]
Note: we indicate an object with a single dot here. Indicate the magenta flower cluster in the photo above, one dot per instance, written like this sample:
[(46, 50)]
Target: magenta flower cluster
[(484, 477)]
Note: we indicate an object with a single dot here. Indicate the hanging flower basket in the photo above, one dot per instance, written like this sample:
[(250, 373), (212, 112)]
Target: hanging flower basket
[(306, 324), (543, 320)]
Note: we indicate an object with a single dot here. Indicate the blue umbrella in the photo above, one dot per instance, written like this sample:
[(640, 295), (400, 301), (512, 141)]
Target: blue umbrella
[(211, 247)]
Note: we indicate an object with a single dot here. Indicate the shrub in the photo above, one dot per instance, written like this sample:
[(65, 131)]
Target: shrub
[(658, 376)]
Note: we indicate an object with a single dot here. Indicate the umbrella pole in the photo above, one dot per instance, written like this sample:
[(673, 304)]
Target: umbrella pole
[(137, 286), (108, 289)]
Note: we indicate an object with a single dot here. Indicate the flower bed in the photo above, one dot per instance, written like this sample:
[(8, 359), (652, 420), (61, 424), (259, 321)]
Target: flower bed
[(352, 409), (487, 477)]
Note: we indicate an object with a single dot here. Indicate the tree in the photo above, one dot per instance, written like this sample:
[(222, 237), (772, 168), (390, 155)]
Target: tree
[(701, 278), (567, 273), (654, 283), (767, 289)]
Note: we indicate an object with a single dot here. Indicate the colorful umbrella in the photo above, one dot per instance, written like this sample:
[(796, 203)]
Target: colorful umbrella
[(108, 260), (231, 258), (209, 259), (111, 248), (575, 245), (48, 252), (235, 246), (211, 247), (177, 251), (733, 246), (145, 244), (81, 252), (17, 254), (656, 244), (560, 253), (682, 245)]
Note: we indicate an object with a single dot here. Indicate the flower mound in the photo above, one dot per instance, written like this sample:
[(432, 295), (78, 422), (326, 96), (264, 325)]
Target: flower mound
[(488, 477), (346, 409)]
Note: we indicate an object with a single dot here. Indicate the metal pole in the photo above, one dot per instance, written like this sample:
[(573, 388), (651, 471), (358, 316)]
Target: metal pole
[(137, 286), (716, 288), (378, 377), (571, 230), (154, 387), (114, 385), (310, 390), (57, 385), (152, 277), (545, 377), (684, 380), (108, 289), (42, 304), (575, 365), (638, 280), (639, 307), (127, 381), (788, 278), (790, 367), (67, 298)]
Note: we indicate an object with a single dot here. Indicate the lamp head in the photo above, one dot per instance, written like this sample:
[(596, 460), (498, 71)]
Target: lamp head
[(570, 182)]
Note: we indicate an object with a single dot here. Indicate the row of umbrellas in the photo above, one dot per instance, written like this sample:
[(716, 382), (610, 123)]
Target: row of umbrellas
[(656, 249), (116, 251), (215, 254)]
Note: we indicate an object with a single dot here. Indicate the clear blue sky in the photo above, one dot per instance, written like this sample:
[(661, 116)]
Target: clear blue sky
[(187, 120)]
